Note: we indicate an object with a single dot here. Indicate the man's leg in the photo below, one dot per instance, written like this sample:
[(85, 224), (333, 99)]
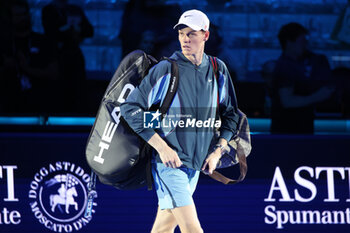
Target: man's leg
[(186, 217), (165, 222), (174, 190)]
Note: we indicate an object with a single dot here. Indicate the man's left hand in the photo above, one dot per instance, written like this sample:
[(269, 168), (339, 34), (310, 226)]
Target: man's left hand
[(212, 161)]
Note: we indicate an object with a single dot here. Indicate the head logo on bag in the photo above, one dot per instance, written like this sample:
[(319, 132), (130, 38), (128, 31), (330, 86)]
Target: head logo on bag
[(111, 127), (106, 138)]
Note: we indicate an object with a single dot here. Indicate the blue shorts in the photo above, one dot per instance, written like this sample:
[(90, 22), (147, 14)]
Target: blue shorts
[(174, 186)]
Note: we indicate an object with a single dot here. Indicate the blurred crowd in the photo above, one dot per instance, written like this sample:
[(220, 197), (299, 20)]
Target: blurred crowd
[(42, 73), (45, 73)]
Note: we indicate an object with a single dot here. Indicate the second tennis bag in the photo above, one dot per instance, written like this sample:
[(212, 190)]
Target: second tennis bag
[(115, 153)]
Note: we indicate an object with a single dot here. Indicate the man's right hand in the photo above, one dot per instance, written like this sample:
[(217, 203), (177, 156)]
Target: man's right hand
[(168, 156)]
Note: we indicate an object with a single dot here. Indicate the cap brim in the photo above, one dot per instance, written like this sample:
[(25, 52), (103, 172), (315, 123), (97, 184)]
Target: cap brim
[(196, 28)]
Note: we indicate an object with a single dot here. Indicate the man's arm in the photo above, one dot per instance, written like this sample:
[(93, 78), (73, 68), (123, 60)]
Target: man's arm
[(228, 107), (290, 100), (149, 92), (286, 93), (229, 118)]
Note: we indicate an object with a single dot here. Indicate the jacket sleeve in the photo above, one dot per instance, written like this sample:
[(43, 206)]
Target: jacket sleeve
[(227, 104), (151, 91)]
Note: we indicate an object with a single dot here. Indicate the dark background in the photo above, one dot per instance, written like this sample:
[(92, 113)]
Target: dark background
[(243, 35)]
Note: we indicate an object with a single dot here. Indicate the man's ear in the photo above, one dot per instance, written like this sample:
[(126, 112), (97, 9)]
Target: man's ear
[(206, 35)]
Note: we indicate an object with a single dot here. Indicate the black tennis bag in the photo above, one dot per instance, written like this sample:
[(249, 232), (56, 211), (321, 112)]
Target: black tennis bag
[(117, 155)]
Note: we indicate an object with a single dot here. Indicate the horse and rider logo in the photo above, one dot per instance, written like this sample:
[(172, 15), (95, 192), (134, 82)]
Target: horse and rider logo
[(58, 197), (66, 192)]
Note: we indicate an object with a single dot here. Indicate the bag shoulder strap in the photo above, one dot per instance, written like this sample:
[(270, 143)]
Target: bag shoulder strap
[(214, 63), (174, 82), (168, 99), (243, 167)]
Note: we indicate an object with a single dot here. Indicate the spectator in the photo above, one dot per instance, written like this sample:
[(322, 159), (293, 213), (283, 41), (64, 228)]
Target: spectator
[(301, 79), (267, 72), (217, 47), (145, 19), (28, 67), (67, 26), (147, 41)]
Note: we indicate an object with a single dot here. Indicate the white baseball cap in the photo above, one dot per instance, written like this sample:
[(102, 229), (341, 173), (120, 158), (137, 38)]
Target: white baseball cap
[(194, 19)]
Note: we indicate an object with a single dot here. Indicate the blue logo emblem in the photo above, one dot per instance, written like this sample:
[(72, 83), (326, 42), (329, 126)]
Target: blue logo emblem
[(151, 120), (59, 197)]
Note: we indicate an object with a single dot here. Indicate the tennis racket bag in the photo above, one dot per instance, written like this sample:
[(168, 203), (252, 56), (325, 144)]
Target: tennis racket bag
[(115, 153)]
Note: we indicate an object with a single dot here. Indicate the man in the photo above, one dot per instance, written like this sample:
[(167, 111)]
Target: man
[(67, 26), (181, 152), (301, 80)]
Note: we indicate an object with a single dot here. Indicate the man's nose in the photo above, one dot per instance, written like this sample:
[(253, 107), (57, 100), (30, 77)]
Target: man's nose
[(186, 38)]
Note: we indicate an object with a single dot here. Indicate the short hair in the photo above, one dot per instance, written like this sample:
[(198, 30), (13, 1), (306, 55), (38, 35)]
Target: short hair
[(291, 32)]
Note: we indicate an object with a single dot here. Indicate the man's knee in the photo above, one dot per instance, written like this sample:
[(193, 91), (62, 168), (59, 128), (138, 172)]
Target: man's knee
[(164, 222)]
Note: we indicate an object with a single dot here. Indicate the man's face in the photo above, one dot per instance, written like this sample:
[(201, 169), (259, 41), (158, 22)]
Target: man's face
[(191, 41), (299, 45)]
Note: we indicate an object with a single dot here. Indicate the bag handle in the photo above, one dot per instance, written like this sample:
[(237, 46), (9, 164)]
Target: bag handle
[(243, 168)]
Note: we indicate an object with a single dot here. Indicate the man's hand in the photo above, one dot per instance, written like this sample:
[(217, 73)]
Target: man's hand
[(212, 161), (168, 156), (324, 93)]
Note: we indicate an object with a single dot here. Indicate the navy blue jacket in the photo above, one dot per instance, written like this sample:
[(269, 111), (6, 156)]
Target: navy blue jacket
[(188, 125)]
